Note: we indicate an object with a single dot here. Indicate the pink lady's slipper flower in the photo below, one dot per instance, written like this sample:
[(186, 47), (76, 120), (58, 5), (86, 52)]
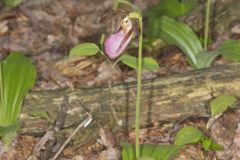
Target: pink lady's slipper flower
[(116, 43)]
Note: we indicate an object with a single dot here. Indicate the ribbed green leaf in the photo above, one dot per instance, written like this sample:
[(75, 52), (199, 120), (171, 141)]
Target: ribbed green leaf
[(129, 60), (17, 77), (209, 144), (7, 138), (12, 3), (221, 103), (176, 33), (11, 128), (205, 59), (145, 158), (84, 49), (8, 133), (149, 151), (187, 135), (216, 147), (230, 49), (206, 143), (171, 8), (148, 62)]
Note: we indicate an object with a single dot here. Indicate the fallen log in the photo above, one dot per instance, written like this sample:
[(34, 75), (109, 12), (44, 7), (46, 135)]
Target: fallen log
[(163, 99)]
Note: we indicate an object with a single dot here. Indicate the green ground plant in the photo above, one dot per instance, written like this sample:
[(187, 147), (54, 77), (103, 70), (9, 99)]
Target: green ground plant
[(12, 3), (192, 135), (164, 24), (17, 76)]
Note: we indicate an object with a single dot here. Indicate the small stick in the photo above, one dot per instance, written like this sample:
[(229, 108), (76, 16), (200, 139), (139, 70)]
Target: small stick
[(89, 113), (85, 123), (47, 142)]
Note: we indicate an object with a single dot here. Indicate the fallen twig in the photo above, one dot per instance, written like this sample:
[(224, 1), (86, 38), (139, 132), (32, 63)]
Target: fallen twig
[(43, 148), (85, 123)]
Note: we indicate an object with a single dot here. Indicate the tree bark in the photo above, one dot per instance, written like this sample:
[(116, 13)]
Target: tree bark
[(163, 99)]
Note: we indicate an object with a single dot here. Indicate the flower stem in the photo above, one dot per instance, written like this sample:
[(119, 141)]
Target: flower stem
[(207, 24), (139, 81), (1, 96)]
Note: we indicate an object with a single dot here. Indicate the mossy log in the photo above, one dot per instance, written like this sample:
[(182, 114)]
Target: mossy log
[(163, 99)]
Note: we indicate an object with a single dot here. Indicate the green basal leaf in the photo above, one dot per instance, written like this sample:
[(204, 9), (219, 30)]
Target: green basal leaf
[(11, 128), (7, 134), (210, 40), (171, 8), (230, 49), (209, 144), (150, 64), (206, 143), (131, 61), (188, 135), (205, 59), (84, 49), (188, 6), (128, 152), (146, 158), (12, 3), (149, 152), (221, 103), (216, 147), (17, 76), (176, 33), (7, 138)]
